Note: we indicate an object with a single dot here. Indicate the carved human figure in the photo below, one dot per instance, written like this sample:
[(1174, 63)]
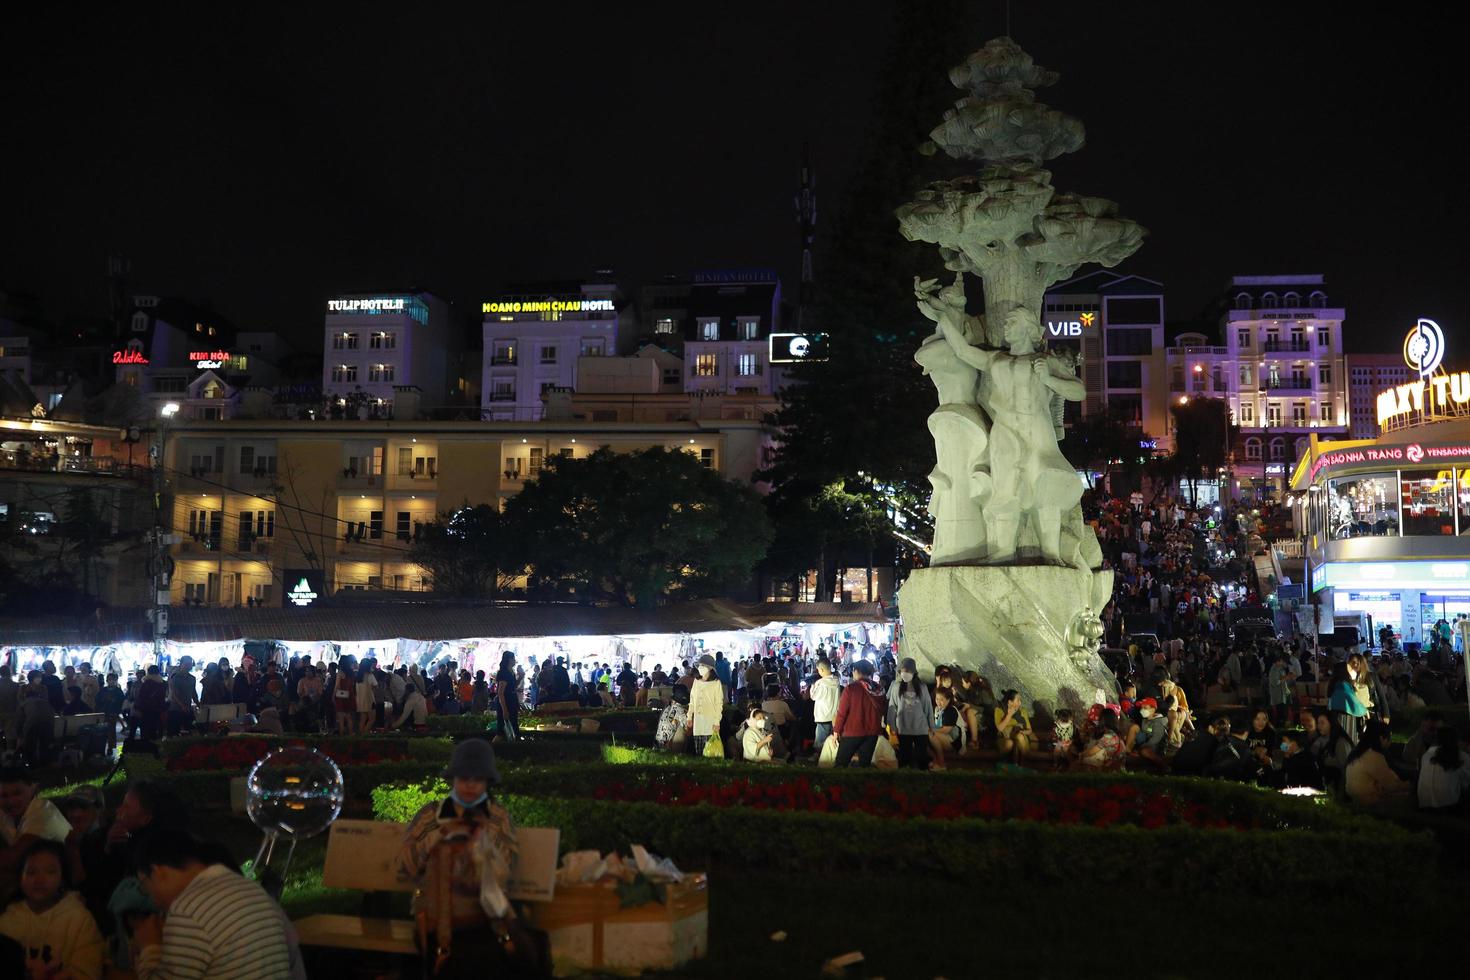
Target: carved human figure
[(1030, 479), (960, 478)]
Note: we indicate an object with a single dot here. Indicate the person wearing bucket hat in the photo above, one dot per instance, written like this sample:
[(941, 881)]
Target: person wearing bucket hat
[(706, 703), (438, 856), (859, 719)]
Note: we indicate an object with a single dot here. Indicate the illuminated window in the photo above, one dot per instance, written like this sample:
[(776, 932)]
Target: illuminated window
[(707, 458), (381, 372), (709, 329), (1247, 413), (344, 372), (705, 366), (344, 341), (593, 347), (1273, 414), (548, 355), (505, 352), (383, 340), (663, 325), (749, 328), (747, 365), (1245, 375)]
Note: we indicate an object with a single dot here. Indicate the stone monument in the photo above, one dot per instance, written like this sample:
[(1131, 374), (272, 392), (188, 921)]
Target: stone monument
[(1015, 581)]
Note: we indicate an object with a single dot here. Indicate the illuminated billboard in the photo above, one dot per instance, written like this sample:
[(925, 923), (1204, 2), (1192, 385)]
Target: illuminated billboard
[(795, 348), (551, 304)]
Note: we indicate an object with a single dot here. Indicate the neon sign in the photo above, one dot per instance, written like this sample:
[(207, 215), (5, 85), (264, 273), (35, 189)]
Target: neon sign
[(207, 359), (302, 594), (550, 306), (792, 348), (1071, 328), (1424, 347), (128, 357), (379, 305)]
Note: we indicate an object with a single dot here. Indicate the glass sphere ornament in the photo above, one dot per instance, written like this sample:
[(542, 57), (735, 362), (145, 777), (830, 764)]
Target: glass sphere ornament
[(294, 792)]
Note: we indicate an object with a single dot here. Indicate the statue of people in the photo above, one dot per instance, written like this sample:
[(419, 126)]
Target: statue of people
[(1030, 480), (960, 478)]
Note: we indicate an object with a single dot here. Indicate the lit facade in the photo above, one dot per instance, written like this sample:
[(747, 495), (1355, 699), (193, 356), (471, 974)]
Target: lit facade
[(376, 343), (1387, 527), (1115, 326), (534, 338), (731, 316), (1369, 374), (1278, 365), (258, 506)]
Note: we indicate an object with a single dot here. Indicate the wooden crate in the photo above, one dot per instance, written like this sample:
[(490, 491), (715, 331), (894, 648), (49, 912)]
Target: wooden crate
[(590, 931)]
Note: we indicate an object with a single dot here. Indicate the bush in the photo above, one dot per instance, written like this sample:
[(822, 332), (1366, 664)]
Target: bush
[(1406, 722), (977, 850)]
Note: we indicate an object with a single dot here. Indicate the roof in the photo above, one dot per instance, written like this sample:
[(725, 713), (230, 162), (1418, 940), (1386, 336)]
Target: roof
[(353, 622), (1105, 283)]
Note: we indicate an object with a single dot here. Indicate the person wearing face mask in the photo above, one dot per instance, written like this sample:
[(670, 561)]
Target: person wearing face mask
[(1146, 739), (438, 856), (706, 703), (911, 715)]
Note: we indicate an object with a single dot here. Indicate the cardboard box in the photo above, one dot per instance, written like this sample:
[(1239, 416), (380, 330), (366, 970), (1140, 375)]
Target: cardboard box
[(589, 931)]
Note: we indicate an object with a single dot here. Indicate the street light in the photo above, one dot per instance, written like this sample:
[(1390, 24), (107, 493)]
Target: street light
[(161, 574), (169, 410)]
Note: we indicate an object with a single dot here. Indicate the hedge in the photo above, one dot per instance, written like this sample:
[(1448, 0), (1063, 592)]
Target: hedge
[(1406, 722), (1009, 851)]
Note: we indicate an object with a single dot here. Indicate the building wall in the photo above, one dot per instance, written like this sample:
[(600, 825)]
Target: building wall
[(325, 479), (1369, 374), (512, 385), (423, 343)]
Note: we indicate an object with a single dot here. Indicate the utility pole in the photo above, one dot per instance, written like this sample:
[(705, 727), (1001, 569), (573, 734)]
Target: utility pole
[(806, 220), (162, 572)]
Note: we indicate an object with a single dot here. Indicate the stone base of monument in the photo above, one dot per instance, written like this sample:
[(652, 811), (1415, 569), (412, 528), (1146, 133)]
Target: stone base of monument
[(1010, 625)]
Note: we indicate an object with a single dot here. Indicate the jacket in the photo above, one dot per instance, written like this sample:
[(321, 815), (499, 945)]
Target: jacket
[(860, 711), (913, 713), (1342, 700), (63, 935), (707, 706)]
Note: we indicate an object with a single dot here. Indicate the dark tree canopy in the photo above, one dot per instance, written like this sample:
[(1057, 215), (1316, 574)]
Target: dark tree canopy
[(1203, 432), (471, 553), (638, 528)]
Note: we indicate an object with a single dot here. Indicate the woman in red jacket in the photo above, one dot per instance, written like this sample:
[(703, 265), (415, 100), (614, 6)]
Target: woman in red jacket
[(859, 719)]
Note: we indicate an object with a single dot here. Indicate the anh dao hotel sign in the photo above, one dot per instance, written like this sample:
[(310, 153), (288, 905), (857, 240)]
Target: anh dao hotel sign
[(1433, 395)]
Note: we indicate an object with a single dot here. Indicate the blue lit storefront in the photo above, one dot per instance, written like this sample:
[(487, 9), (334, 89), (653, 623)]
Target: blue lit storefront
[(1387, 526)]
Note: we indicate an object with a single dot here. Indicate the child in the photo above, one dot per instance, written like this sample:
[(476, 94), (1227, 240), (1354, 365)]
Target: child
[(60, 937), (1064, 736), (756, 742), (949, 731)]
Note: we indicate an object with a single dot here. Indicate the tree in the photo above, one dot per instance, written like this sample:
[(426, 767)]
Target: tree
[(470, 552), (863, 411), (1105, 443), (638, 528), (1203, 432)]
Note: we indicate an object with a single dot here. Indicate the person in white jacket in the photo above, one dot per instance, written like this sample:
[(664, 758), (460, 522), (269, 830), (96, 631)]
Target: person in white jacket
[(706, 703), (59, 936), (825, 693)]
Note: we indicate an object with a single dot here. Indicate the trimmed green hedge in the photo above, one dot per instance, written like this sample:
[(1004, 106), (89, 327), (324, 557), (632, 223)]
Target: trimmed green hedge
[(1036, 854), (1407, 722)]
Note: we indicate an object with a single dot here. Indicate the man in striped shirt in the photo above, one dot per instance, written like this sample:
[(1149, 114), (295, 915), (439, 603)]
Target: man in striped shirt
[(217, 925)]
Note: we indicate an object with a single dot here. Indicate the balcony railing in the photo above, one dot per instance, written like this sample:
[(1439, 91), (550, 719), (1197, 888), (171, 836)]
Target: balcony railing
[(1298, 383), (503, 359), (502, 396), (1286, 347)]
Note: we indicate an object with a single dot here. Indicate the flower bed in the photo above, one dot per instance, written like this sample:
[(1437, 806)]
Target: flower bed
[(1176, 856)]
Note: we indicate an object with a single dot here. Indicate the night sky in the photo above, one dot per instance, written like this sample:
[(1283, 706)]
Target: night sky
[(263, 160)]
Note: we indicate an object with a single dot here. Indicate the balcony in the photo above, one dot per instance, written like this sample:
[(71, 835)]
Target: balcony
[(1294, 383), (199, 545), (1287, 347), (503, 360), (360, 539), (351, 479), (502, 396)]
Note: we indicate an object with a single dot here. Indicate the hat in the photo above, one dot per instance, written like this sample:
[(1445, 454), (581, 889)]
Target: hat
[(908, 664), (1147, 703), (472, 759), (863, 667), (90, 796), (707, 661)]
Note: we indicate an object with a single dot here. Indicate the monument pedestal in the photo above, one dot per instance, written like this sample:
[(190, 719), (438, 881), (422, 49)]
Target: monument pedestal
[(1015, 625)]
